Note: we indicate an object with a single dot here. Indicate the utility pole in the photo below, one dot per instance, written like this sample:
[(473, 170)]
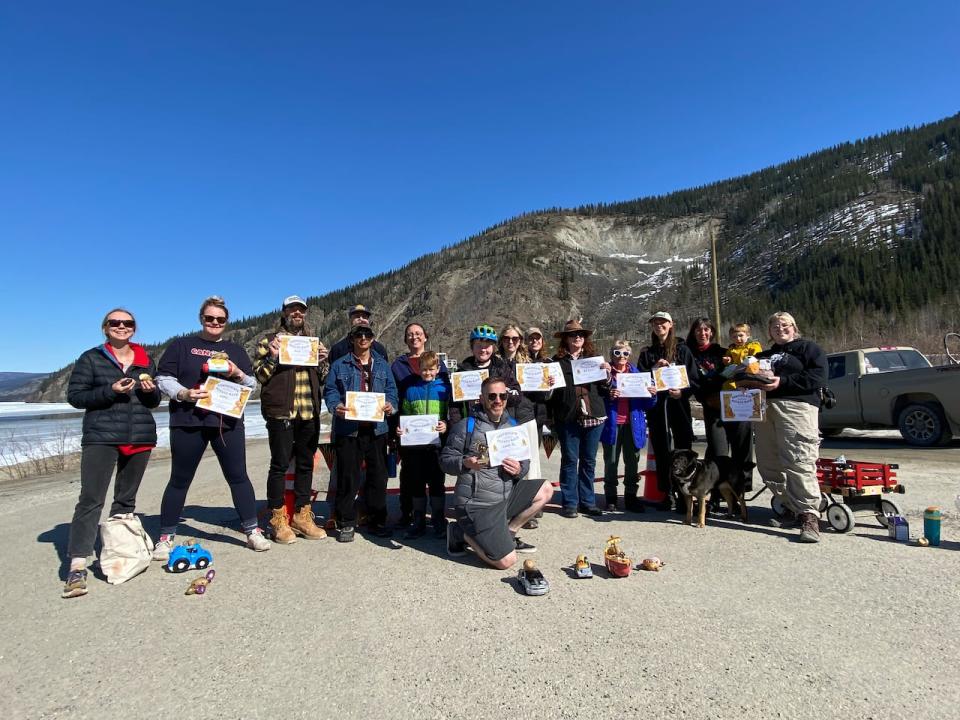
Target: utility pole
[(716, 284)]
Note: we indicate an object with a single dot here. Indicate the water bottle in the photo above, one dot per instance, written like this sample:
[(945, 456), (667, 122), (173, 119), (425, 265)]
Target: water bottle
[(931, 525)]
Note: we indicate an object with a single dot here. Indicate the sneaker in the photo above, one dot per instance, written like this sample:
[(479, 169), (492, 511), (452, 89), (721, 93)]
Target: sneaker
[(521, 547), (161, 551), (455, 548), (569, 512), (346, 534), (591, 511), (810, 532), (787, 521), (380, 531), (611, 507), (76, 584), (257, 542)]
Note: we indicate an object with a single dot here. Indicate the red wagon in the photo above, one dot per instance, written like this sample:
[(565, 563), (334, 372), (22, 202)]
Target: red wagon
[(850, 487)]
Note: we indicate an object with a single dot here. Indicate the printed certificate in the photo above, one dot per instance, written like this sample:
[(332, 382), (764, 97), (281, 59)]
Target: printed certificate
[(588, 370), (299, 350), (419, 430), (744, 405), (509, 442), (466, 384), (365, 406), (533, 376), (634, 385), (671, 377), (225, 398)]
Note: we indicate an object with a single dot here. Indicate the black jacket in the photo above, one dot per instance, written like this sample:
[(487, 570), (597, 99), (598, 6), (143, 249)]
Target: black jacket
[(649, 356), (709, 364), (563, 406), (801, 366), (518, 407), (113, 419)]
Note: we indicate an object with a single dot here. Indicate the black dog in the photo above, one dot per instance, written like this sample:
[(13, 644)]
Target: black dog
[(696, 479)]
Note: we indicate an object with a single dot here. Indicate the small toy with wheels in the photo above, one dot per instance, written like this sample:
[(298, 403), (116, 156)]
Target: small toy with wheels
[(189, 556), (199, 586), (581, 568), (851, 487)]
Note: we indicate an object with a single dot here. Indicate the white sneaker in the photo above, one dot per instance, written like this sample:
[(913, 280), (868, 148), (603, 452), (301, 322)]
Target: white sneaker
[(256, 541), (161, 551)]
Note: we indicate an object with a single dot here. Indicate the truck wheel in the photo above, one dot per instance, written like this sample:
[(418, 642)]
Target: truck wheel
[(888, 507), (923, 424), (841, 518)]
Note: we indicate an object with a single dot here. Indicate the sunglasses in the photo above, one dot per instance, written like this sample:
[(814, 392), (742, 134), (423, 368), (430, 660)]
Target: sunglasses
[(531, 338), (367, 335), (577, 334), (492, 397), (621, 353), (131, 324), (511, 338), (215, 319)]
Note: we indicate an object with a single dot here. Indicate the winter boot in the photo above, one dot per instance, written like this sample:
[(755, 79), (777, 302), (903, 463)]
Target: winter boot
[(438, 516), (280, 527), (302, 524)]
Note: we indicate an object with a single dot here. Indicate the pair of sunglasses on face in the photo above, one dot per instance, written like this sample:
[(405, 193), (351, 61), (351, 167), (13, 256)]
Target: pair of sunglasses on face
[(493, 397), (215, 320), (129, 324), (621, 353)]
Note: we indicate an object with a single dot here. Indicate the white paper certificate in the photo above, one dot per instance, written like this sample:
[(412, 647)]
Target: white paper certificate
[(744, 405), (225, 398), (588, 370), (671, 377), (466, 384), (533, 377), (299, 350), (509, 442), (634, 385), (419, 430), (365, 406)]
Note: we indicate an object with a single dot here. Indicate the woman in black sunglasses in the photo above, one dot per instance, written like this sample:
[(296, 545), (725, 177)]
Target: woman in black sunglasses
[(181, 373), (113, 383)]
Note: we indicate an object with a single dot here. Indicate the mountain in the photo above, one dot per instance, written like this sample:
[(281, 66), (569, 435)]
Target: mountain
[(18, 386), (858, 241)]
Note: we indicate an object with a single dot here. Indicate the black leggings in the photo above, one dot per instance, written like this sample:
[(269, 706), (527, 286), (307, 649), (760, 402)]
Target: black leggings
[(186, 450)]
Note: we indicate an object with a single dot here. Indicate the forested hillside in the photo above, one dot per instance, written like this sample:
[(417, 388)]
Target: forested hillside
[(860, 242)]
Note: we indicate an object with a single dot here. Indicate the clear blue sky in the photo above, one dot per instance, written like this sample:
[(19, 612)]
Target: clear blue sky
[(154, 153)]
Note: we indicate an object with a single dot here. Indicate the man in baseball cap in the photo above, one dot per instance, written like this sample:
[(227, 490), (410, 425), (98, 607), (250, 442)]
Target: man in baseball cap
[(359, 316)]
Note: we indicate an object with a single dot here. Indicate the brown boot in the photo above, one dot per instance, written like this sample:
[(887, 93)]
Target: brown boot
[(303, 524), (280, 527)]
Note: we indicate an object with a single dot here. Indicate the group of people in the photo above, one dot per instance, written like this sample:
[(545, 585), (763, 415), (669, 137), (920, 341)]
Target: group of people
[(118, 385)]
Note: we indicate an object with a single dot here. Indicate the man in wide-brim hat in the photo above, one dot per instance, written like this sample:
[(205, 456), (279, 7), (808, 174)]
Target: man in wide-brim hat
[(571, 327)]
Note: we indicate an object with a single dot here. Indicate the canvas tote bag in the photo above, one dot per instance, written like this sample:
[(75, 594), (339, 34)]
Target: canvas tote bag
[(126, 548)]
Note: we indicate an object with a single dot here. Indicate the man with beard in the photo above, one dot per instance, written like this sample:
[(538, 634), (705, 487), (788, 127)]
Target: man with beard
[(359, 317), (290, 403)]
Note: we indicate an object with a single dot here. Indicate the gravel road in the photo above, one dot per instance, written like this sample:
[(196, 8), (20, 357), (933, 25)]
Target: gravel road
[(742, 622)]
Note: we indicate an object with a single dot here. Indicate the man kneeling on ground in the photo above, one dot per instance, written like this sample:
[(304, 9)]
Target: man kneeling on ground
[(490, 503)]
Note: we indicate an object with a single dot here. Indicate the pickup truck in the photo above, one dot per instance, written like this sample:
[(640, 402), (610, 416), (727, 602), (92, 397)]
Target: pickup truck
[(893, 387)]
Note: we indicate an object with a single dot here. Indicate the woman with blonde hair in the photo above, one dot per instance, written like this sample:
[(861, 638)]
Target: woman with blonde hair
[(624, 433), (181, 374), (113, 383), (511, 347), (787, 441)]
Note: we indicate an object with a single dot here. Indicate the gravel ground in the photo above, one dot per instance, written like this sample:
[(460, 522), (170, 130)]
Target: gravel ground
[(742, 622)]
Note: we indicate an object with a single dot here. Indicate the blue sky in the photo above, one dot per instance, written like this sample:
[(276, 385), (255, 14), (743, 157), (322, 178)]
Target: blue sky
[(154, 153)]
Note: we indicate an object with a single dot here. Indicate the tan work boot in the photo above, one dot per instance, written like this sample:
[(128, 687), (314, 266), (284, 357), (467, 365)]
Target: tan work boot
[(280, 527), (303, 524)]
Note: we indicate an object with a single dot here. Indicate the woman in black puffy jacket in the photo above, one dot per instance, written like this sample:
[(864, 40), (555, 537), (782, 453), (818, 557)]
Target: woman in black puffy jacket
[(113, 383)]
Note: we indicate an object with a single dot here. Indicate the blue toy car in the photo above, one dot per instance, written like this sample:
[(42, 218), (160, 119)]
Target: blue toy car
[(188, 557)]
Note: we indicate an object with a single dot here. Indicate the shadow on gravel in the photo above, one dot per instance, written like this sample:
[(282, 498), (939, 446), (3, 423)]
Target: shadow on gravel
[(944, 544), (58, 536), (224, 517), (514, 582)]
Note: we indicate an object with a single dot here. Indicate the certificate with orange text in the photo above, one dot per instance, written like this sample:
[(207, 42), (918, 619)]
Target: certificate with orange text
[(671, 377), (466, 384), (535, 377), (745, 405), (299, 350), (225, 397), (365, 406)]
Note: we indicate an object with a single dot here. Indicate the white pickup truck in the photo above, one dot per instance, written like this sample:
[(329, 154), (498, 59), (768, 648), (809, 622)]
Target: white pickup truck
[(893, 387)]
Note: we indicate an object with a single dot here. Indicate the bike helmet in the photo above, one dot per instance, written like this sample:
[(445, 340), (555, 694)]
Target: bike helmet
[(483, 332)]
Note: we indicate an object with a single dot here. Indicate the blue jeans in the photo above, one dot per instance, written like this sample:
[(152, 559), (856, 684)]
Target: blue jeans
[(578, 460)]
